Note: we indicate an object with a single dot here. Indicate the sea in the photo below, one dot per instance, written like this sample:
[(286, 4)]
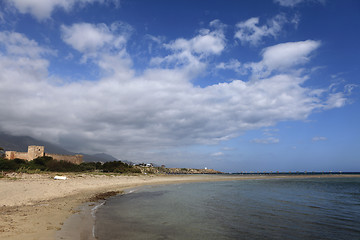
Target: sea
[(284, 208)]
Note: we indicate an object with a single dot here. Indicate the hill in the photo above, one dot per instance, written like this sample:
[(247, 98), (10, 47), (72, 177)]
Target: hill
[(21, 143)]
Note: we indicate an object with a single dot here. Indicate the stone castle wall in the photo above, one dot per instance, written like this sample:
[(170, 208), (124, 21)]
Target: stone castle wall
[(13, 154), (39, 151), (77, 159)]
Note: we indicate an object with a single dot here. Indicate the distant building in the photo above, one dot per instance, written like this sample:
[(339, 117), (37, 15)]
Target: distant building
[(144, 165), (39, 151)]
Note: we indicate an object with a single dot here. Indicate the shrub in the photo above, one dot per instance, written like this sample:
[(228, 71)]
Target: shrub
[(27, 170), (42, 160), (49, 164), (20, 161), (8, 165), (119, 167), (62, 166), (40, 163), (98, 165), (88, 166)]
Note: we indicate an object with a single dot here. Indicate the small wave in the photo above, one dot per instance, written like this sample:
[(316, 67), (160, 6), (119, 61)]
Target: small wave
[(93, 212)]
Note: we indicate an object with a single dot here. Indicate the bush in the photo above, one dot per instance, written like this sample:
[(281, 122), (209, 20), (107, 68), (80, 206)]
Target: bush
[(88, 166), (27, 170), (42, 160), (8, 165), (119, 167), (98, 165), (20, 161), (49, 164), (62, 166), (40, 163)]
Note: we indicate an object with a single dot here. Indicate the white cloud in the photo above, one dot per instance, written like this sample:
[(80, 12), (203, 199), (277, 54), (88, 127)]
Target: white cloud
[(249, 31), (190, 53), (316, 139), (270, 131), (17, 44), (206, 43), (98, 41), (217, 154), (295, 20), (87, 37), (1, 17), (268, 140), (335, 100), (129, 114), (268, 137), (42, 9), (283, 57), (156, 39), (153, 40), (293, 3), (286, 55), (233, 64), (288, 3)]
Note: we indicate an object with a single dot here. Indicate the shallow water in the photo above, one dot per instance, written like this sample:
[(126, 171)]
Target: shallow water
[(316, 208)]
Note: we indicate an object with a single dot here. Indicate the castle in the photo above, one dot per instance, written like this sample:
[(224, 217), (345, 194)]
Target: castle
[(39, 151)]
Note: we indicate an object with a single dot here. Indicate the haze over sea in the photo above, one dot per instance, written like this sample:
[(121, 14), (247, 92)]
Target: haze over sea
[(304, 208)]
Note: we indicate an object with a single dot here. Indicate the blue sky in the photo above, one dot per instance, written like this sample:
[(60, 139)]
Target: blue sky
[(230, 85)]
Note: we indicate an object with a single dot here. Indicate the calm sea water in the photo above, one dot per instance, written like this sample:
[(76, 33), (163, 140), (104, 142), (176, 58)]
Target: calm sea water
[(317, 208)]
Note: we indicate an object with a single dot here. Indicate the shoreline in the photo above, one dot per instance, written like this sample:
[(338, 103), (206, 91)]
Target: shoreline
[(35, 206)]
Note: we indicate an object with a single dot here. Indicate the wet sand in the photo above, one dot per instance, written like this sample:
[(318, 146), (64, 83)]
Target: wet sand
[(35, 206)]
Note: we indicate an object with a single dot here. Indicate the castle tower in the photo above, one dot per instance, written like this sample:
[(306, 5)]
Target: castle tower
[(10, 155), (35, 152)]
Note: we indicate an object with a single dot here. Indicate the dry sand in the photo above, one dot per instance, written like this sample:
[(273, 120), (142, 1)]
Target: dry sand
[(35, 206)]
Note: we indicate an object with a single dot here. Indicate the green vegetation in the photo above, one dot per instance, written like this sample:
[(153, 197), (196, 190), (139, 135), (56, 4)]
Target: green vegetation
[(119, 167), (41, 164), (2, 153)]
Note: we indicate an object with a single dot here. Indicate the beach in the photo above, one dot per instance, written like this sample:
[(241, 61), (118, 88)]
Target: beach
[(35, 206)]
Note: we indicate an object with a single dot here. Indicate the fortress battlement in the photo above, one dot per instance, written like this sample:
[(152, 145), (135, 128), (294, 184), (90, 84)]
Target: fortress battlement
[(39, 151)]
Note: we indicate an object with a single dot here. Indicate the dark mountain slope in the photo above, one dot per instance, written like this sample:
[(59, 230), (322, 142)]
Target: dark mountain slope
[(21, 143)]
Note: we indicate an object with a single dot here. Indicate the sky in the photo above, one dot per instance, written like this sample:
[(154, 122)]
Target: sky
[(231, 85)]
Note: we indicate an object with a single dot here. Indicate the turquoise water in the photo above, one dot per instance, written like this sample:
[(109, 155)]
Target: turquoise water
[(317, 208)]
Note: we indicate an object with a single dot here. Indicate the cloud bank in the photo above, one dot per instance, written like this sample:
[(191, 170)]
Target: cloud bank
[(129, 113), (43, 10)]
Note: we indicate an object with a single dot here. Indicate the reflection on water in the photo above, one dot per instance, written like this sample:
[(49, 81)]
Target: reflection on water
[(249, 209)]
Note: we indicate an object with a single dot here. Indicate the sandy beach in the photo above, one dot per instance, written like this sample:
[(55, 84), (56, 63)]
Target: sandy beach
[(35, 206)]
